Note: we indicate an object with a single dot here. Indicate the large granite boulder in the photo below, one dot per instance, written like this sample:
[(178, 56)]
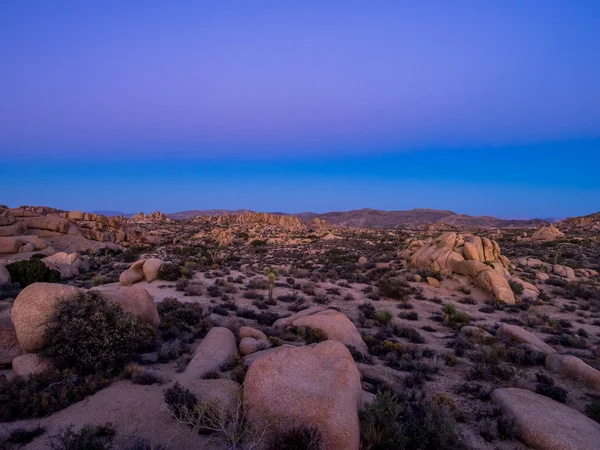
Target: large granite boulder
[(316, 386)]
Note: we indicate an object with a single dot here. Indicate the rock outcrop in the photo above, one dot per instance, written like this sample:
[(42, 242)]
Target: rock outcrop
[(28, 229), (574, 368), (545, 424), (478, 258), (522, 336), (547, 233), (316, 387)]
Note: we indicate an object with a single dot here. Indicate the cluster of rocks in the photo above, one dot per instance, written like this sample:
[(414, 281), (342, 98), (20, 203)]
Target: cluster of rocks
[(156, 216), (143, 269), (321, 381), (30, 229), (470, 258), (558, 270), (23, 324), (547, 233)]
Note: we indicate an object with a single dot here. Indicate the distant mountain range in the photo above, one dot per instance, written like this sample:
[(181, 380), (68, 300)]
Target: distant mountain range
[(374, 218)]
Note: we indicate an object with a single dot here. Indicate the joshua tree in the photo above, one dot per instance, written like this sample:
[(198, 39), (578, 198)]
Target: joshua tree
[(272, 275)]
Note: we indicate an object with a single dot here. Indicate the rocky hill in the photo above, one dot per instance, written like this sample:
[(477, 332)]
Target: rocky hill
[(590, 222), (373, 218)]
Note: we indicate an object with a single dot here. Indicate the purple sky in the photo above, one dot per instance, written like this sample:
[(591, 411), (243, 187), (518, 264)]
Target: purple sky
[(269, 81)]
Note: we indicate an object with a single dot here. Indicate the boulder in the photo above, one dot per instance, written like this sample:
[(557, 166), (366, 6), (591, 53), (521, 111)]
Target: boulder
[(547, 233), (433, 282), (76, 215), (362, 260), (9, 344), (136, 301), (138, 265), (545, 424), (62, 258), (4, 275), (473, 331), (335, 325), (253, 333), (10, 245), (151, 268), (495, 283), (129, 277), (49, 222), (6, 218), (249, 345), (542, 276), (470, 268), (224, 394), (12, 230), (215, 350), (29, 364), (574, 368), (33, 308), (315, 386), (288, 321), (563, 271), (522, 336)]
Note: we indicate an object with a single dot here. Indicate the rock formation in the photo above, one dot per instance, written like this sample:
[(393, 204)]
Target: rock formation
[(29, 229), (479, 259), (547, 233)]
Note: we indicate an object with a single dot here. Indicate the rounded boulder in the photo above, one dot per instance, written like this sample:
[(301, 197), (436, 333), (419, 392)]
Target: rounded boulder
[(34, 308)]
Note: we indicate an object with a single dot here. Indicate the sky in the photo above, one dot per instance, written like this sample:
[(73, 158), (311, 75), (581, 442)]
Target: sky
[(485, 108)]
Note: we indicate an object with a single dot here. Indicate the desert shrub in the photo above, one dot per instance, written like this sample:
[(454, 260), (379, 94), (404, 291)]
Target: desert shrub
[(516, 287), (396, 288), (169, 272), (298, 439), (45, 393), (498, 426), (321, 299), (177, 318), (20, 437), (92, 335), (384, 316), (32, 271), (592, 410), (144, 444), (401, 424), (409, 315), (178, 398), (368, 310), (258, 243), (454, 318), (267, 318), (546, 386), (314, 336), (90, 437)]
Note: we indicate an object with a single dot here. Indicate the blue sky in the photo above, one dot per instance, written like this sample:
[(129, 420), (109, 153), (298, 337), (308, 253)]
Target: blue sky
[(480, 107)]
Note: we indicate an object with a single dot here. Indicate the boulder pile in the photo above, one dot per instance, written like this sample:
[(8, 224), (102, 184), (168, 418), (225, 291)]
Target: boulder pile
[(477, 259), (143, 269), (29, 229)]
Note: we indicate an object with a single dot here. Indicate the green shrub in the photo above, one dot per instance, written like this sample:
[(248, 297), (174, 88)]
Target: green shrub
[(178, 318), (178, 399), (169, 272), (548, 388), (92, 335), (384, 316), (32, 271), (396, 288), (391, 423), (45, 393), (516, 287), (298, 439), (90, 437)]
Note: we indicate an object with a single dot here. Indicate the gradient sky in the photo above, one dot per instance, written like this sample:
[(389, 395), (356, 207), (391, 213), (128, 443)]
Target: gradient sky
[(481, 107)]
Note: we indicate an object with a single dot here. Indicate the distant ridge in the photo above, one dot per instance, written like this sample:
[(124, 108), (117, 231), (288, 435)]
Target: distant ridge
[(372, 218)]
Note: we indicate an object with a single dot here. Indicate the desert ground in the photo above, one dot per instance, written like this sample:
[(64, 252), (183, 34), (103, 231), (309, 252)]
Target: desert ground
[(257, 330)]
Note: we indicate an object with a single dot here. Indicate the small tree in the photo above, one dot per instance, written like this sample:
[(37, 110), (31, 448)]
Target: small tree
[(272, 275)]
